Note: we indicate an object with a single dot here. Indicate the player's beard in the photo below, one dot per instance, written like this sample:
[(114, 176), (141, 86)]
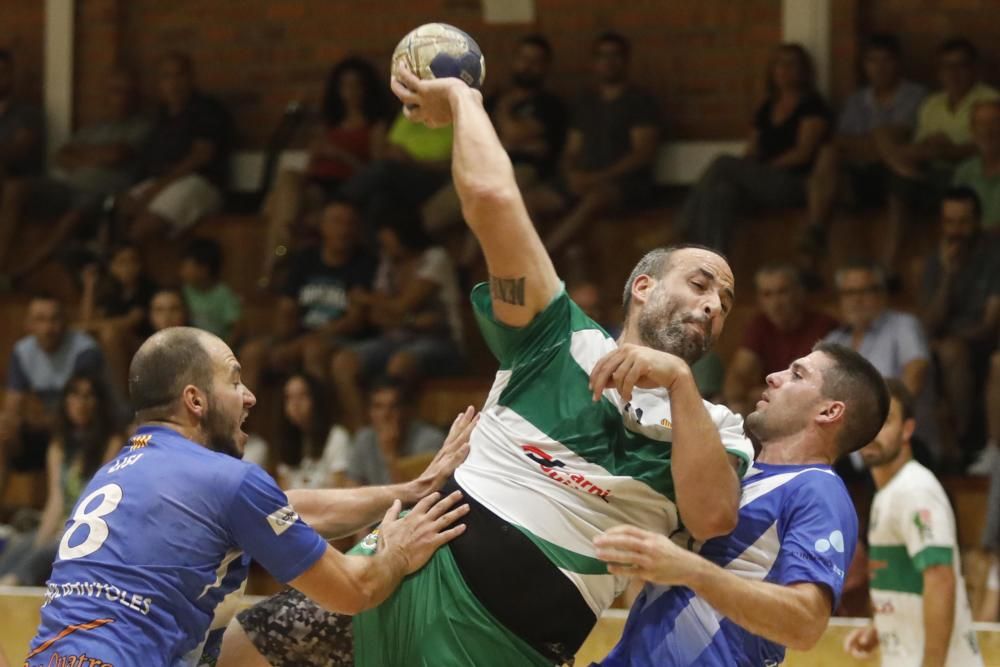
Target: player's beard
[(664, 326), (219, 429)]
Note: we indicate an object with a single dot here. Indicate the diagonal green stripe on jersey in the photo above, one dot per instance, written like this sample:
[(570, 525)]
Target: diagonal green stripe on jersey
[(564, 558), (892, 569)]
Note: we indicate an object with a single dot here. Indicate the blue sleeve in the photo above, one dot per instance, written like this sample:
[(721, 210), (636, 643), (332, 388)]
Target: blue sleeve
[(818, 530), (17, 379), (264, 524)]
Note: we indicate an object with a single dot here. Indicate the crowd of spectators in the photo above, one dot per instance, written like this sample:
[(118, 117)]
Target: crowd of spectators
[(366, 260)]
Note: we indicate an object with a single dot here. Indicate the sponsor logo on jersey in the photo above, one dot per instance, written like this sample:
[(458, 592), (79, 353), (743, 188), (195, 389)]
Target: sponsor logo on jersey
[(138, 441), (555, 469), (922, 520), (282, 519), (835, 542), (81, 660), (97, 589), (885, 608)]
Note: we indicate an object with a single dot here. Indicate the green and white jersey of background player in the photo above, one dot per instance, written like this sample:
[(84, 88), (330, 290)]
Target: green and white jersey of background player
[(548, 459), (911, 528)]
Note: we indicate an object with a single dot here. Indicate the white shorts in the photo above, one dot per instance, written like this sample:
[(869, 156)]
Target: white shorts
[(184, 202)]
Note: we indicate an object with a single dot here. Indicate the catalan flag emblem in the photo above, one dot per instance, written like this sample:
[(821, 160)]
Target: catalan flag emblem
[(138, 441)]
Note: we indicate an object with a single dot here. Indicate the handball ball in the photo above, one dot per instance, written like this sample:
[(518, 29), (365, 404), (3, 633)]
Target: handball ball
[(439, 50)]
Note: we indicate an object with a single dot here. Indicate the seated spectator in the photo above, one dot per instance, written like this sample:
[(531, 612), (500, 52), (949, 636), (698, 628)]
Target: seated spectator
[(84, 438), (610, 151), (924, 167), (982, 172), (314, 451), (40, 365), (415, 164), (960, 309), (211, 305), (892, 341), (788, 130), (167, 309), (415, 307), (783, 329), (887, 105), (394, 434), (184, 164), (22, 151), (353, 133), (531, 124), (316, 313), (98, 161), (114, 308)]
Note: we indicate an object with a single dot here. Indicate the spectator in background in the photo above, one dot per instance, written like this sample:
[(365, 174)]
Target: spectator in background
[(892, 341), (531, 124), (918, 593), (22, 150), (84, 438), (317, 313), (314, 451), (185, 163), (353, 132), (211, 304), (788, 130), (415, 307), (40, 365), (982, 172), (924, 166), (98, 161), (115, 309), (610, 151), (960, 310), (783, 329), (887, 105), (167, 309), (414, 166), (991, 530), (393, 434)]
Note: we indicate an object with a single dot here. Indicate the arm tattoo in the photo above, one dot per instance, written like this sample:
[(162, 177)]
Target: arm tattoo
[(507, 290)]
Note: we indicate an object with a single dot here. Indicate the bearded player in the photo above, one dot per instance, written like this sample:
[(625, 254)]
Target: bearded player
[(579, 433)]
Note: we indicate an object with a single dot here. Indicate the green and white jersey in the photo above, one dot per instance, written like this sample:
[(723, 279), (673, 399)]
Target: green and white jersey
[(548, 459), (912, 527)]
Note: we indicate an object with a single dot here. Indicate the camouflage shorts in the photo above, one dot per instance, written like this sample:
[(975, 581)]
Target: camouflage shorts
[(290, 630)]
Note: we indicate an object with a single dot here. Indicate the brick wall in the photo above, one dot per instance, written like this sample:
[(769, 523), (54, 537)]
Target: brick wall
[(923, 24), (703, 59), (21, 31)]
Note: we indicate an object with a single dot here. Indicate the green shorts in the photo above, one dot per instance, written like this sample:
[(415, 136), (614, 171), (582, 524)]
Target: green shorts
[(434, 620)]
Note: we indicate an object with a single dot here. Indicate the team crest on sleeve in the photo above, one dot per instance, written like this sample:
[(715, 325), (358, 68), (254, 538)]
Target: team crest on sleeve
[(922, 520), (282, 519)]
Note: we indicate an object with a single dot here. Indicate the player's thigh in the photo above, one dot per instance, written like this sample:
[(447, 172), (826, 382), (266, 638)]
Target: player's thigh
[(238, 650)]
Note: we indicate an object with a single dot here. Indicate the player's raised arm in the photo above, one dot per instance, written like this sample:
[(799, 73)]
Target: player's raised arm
[(522, 278)]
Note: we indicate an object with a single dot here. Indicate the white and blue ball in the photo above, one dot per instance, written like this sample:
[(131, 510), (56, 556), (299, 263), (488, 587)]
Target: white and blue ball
[(439, 50)]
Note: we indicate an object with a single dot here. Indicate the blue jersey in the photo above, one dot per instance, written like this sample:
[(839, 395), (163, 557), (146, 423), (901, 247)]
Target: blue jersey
[(158, 538), (796, 524)]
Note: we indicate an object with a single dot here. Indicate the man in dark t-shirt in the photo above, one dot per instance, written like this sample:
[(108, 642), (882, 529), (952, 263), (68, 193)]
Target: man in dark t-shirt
[(960, 308), (782, 330), (315, 314), (610, 150), (184, 165)]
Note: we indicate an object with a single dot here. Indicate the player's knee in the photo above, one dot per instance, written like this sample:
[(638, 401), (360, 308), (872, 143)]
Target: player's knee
[(238, 650)]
